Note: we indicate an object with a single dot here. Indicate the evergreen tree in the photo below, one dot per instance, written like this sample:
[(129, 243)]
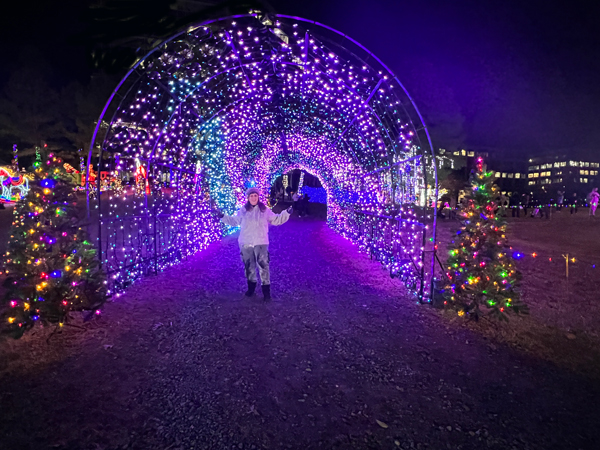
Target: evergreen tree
[(482, 276), (50, 263)]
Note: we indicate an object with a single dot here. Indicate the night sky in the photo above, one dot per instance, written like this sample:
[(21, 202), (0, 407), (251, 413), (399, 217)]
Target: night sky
[(507, 76)]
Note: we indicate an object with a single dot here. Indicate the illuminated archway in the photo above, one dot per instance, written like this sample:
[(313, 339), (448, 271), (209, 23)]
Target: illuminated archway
[(242, 100)]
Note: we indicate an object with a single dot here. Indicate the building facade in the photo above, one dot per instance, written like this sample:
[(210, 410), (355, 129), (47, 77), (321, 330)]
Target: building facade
[(546, 175), (511, 173)]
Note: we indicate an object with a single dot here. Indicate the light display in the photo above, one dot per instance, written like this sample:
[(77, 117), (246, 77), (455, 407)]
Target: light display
[(481, 273), (285, 183), (15, 185), (50, 262), (301, 182), (240, 101)]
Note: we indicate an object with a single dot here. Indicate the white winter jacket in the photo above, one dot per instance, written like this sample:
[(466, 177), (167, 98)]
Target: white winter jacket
[(254, 224)]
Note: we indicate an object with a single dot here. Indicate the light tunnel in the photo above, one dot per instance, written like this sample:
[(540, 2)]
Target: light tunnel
[(237, 102)]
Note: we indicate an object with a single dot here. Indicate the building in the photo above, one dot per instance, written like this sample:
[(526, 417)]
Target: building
[(458, 159), (511, 174), (560, 172)]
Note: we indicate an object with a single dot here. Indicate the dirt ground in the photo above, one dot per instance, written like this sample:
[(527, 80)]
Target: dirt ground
[(564, 324), (341, 358)]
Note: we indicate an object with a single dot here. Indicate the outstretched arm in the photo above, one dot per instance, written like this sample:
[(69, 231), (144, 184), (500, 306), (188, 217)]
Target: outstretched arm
[(277, 219), (234, 220)]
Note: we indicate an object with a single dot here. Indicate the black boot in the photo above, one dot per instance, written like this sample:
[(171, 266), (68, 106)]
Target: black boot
[(251, 288), (266, 288)]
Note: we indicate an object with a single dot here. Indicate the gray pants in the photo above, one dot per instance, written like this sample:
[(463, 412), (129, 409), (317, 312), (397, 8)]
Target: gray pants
[(251, 255)]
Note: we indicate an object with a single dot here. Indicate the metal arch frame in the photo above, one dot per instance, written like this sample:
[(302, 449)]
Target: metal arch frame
[(208, 22), (241, 66), (162, 44)]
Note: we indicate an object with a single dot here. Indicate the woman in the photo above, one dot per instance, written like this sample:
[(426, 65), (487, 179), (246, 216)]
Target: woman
[(594, 196), (254, 219)]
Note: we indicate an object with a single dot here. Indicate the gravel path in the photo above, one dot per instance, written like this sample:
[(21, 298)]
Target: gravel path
[(340, 359)]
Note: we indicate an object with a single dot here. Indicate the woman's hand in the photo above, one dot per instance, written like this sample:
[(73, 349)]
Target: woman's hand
[(215, 210), (290, 210)]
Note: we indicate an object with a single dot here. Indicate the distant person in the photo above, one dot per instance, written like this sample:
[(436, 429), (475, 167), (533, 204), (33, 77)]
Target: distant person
[(496, 205), (305, 205), (503, 204), (515, 204), (574, 202), (295, 198), (299, 205), (526, 199), (594, 196), (453, 207), (545, 210), (560, 199)]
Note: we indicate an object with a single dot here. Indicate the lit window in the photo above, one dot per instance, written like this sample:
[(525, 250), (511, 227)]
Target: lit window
[(531, 183), (574, 163), (471, 154), (530, 175), (595, 164), (556, 164), (463, 153), (517, 175), (583, 180), (536, 175), (587, 164), (457, 153), (563, 164), (511, 175), (497, 175), (503, 175), (531, 168), (536, 167)]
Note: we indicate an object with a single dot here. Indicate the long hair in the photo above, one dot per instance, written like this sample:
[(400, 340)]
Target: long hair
[(260, 205)]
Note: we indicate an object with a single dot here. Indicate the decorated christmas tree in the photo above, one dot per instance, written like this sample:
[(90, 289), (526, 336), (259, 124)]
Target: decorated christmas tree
[(482, 276), (50, 263)]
